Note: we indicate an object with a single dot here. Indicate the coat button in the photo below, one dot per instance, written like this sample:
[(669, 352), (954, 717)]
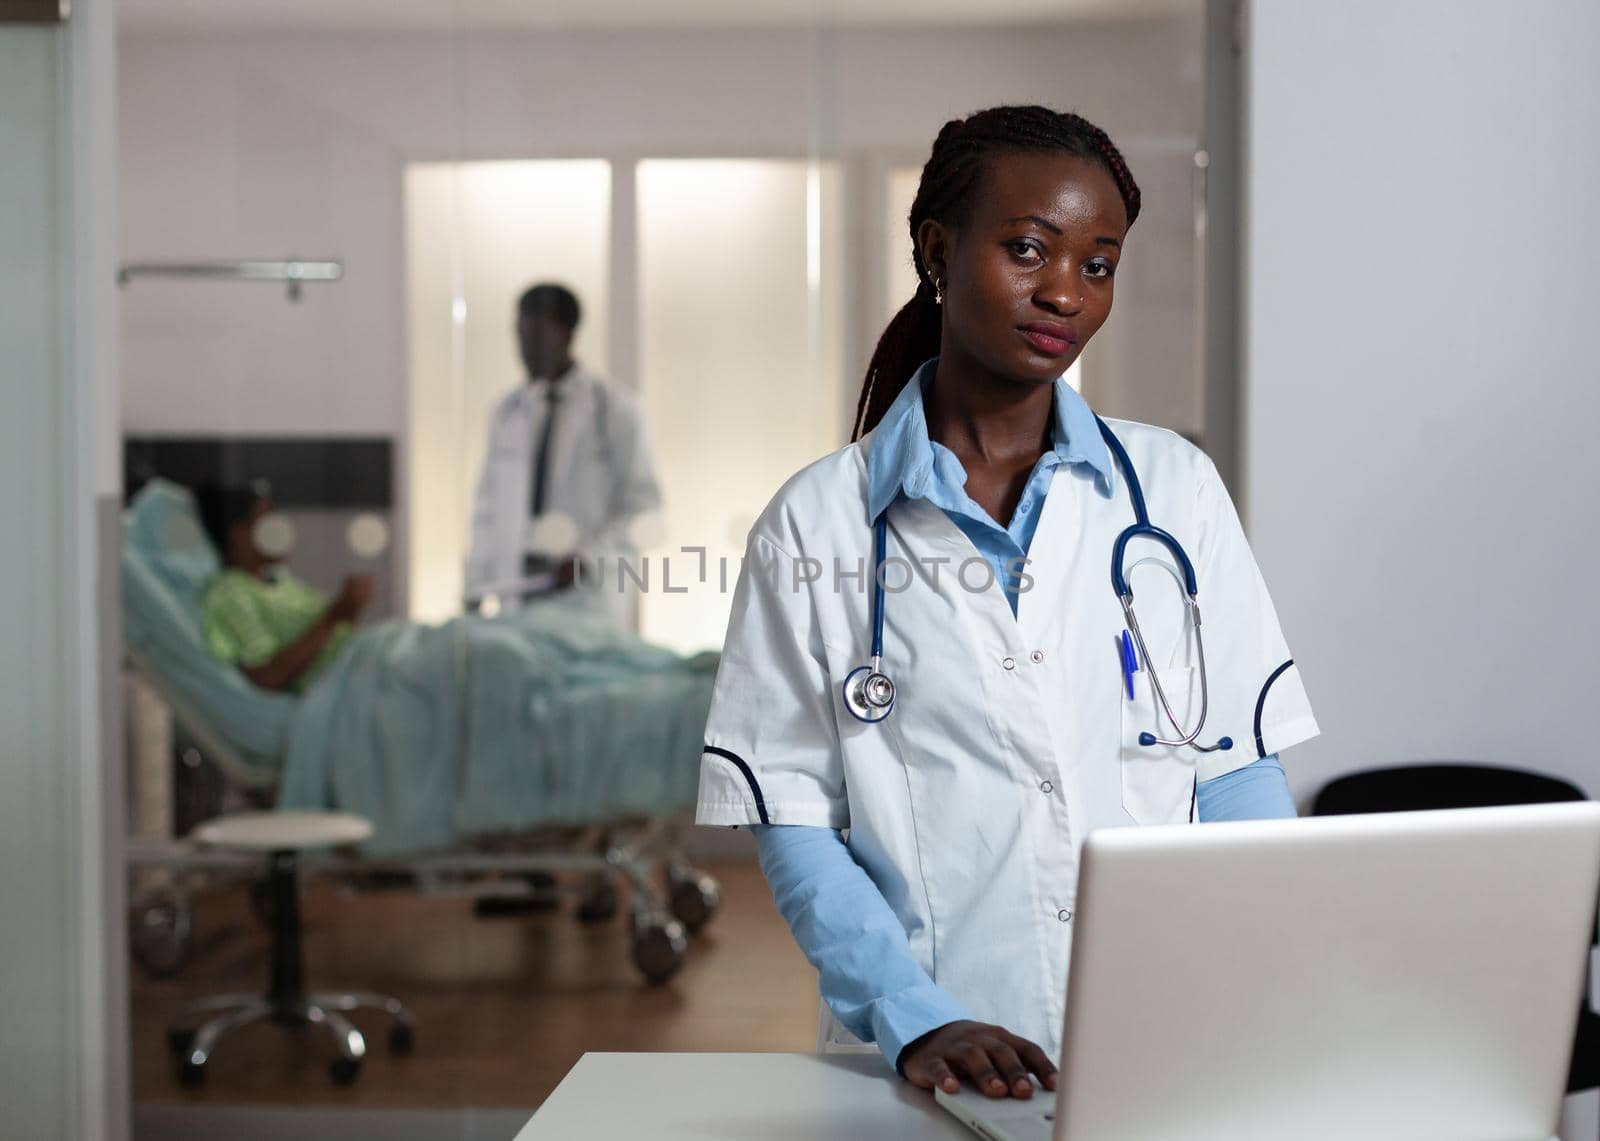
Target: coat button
[(1064, 915), (1010, 663), (1046, 786), (1036, 657)]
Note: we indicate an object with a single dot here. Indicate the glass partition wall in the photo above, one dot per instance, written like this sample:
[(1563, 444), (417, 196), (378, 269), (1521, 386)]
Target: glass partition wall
[(346, 428)]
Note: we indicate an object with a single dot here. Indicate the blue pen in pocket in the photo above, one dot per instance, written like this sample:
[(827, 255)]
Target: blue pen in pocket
[(1130, 662)]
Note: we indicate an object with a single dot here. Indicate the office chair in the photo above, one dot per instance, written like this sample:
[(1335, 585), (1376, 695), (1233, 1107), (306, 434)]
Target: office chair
[(1415, 788)]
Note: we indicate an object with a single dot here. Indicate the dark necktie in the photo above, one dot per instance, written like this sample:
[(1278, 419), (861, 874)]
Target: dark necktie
[(541, 462), (533, 564)]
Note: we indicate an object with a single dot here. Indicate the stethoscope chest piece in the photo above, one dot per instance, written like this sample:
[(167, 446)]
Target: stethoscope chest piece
[(868, 693)]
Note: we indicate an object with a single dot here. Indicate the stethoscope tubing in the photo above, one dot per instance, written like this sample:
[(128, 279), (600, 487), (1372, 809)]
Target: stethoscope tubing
[(1141, 528), (880, 545)]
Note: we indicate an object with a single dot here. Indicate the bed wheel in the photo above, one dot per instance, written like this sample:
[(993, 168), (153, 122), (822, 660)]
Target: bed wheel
[(160, 939), (659, 947), (544, 892), (599, 903), (695, 897)]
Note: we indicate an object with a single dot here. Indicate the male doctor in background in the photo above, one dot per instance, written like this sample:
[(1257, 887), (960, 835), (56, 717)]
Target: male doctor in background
[(567, 466)]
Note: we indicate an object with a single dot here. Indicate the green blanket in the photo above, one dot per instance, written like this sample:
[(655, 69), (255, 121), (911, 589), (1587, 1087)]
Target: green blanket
[(485, 725)]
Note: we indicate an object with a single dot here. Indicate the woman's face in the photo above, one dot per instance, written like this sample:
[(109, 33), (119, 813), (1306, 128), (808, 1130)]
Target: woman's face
[(1028, 278)]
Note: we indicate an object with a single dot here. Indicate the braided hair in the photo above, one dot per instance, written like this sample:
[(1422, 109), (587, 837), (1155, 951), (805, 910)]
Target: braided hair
[(946, 193)]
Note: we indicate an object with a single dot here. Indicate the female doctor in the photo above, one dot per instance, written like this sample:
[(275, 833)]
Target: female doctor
[(1012, 702)]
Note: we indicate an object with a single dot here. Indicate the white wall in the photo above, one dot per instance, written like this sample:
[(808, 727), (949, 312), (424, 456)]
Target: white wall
[(1424, 260), (1421, 399), (266, 145), (63, 1037)]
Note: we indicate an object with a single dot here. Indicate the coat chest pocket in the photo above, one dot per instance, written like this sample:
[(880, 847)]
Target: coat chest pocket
[(1158, 782)]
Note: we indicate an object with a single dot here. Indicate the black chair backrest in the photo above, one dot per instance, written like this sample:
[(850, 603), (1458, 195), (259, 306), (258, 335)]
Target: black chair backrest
[(1416, 788)]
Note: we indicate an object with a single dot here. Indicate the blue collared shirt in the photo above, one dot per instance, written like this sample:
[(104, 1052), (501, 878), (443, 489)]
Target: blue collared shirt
[(902, 460)]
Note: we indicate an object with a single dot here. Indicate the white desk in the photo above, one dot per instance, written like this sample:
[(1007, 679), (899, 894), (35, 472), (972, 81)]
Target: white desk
[(724, 1097), (730, 1097)]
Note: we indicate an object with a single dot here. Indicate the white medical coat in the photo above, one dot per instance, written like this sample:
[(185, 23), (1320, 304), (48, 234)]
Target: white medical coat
[(599, 474), (1012, 737)]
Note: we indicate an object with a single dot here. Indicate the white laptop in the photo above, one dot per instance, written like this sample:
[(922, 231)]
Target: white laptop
[(1412, 976)]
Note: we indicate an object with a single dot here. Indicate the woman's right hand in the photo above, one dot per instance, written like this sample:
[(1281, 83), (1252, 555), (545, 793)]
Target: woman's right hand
[(991, 1057)]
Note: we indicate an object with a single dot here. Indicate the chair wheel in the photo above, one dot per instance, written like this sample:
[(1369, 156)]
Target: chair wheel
[(659, 947), (600, 904), (694, 901), (344, 1071), (402, 1039), (179, 1039), (160, 940), (191, 1075)]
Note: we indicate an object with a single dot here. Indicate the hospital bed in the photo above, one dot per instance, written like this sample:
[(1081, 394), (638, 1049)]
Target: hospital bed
[(248, 734)]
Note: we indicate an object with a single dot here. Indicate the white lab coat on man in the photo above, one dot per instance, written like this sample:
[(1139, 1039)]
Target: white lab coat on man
[(598, 474), (1012, 736)]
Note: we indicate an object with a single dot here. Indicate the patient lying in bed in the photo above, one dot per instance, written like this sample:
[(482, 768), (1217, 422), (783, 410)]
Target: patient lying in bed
[(471, 727), (280, 632)]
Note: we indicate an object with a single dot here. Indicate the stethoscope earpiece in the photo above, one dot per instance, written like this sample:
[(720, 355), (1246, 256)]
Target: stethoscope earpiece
[(1222, 746)]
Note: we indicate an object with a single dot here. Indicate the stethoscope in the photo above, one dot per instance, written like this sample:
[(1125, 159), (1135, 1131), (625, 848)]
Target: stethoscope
[(869, 693)]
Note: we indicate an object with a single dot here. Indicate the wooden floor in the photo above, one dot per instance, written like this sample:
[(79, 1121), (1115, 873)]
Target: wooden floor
[(505, 1006)]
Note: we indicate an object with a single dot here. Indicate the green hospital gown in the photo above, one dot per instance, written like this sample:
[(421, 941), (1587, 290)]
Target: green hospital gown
[(249, 620)]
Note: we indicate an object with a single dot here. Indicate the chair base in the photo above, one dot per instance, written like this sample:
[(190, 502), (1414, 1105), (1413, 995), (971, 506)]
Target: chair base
[(193, 1045), (285, 1002)]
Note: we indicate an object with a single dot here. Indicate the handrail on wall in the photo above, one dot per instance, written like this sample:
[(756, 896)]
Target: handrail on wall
[(293, 271)]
